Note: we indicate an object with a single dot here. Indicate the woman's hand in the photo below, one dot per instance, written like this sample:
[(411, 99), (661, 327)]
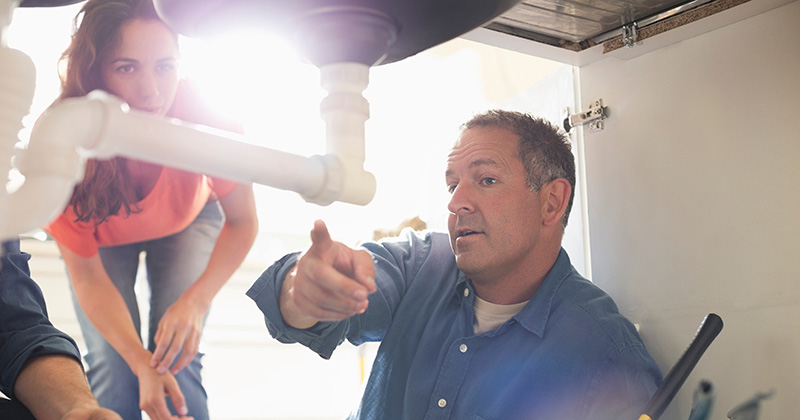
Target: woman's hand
[(105, 307), (180, 327), (153, 390), (182, 323)]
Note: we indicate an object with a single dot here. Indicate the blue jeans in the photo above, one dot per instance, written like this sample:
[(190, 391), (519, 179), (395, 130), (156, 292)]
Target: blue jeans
[(172, 264)]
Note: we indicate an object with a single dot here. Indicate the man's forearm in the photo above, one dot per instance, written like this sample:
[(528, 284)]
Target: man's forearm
[(50, 386)]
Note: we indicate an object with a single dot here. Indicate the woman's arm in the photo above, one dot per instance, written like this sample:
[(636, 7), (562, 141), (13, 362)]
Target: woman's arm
[(107, 311), (181, 325)]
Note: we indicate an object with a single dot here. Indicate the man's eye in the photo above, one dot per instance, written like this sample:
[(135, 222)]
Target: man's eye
[(488, 181), (451, 188), (125, 69), (163, 68)]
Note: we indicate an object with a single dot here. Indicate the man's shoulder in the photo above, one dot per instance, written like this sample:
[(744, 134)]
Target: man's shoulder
[(590, 307), (584, 292), (426, 235), (417, 242)]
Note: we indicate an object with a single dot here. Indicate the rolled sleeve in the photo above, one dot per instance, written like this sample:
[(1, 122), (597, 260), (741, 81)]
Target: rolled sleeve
[(322, 338), (25, 331), (396, 264)]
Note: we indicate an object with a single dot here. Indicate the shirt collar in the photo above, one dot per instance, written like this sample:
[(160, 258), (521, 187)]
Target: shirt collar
[(535, 314)]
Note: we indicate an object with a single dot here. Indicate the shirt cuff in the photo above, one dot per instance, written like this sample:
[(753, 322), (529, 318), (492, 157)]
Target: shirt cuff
[(322, 338)]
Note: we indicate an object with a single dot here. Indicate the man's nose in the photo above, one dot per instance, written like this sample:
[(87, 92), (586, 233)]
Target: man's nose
[(461, 199)]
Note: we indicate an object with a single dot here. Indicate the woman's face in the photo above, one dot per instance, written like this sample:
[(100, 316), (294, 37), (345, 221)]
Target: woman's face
[(143, 68)]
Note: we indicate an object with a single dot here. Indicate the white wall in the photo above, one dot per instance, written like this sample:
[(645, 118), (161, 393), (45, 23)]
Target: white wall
[(694, 204)]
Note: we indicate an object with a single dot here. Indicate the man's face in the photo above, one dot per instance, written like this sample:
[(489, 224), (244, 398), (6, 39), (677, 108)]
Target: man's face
[(495, 219)]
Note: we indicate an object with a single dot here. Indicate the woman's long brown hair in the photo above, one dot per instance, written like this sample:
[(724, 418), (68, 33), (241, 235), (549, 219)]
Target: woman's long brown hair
[(106, 188)]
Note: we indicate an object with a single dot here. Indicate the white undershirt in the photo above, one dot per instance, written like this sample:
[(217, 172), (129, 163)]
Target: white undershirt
[(489, 316)]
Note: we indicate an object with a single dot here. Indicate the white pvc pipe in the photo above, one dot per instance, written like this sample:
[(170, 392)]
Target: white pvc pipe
[(345, 111), (42, 199), (17, 83), (196, 148), (7, 8), (101, 126)]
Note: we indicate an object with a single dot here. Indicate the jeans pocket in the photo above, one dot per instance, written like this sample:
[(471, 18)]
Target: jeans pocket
[(209, 222), (211, 213)]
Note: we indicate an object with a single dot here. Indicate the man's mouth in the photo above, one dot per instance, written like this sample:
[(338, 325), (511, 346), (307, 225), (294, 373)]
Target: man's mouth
[(464, 233)]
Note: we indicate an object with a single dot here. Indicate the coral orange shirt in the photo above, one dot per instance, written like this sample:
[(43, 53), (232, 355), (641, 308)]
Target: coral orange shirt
[(174, 202)]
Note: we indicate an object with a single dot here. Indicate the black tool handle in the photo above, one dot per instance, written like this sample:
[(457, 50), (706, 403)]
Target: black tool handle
[(708, 331)]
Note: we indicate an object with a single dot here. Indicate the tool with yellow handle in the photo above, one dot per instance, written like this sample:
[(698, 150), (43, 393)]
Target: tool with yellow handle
[(708, 331)]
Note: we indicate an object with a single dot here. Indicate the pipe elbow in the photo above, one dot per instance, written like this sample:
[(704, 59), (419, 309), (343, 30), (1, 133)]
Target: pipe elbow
[(345, 181), (36, 203), (359, 185), (62, 136), (52, 162), (57, 137)]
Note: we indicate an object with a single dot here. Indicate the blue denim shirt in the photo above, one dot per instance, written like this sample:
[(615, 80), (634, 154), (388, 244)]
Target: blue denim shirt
[(568, 354), (25, 331)]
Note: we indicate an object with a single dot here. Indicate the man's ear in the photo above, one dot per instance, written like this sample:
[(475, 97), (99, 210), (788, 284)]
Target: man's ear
[(555, 198)]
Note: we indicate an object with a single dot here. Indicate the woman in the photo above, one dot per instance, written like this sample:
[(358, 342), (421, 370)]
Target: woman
[(126, 207)]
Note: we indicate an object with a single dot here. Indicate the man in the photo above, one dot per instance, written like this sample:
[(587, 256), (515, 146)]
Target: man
[(40, 367), (494, 323)]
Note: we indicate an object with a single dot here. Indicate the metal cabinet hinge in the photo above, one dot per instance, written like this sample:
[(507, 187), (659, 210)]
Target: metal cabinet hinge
[(594, 117), (630, 35)]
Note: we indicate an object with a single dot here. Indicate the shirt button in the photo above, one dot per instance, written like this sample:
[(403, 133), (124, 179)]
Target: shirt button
[(466, 292), (442, 403), (463, 348)]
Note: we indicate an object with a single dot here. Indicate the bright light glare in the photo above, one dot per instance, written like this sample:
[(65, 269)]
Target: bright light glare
[(258, 80)]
